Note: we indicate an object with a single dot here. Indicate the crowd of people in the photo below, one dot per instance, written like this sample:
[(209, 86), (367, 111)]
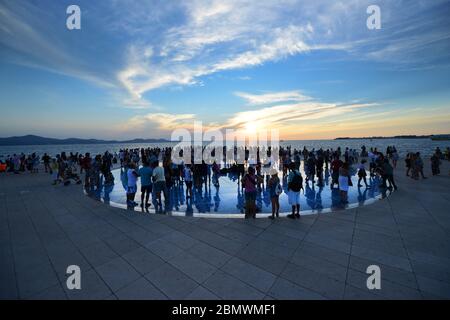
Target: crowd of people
[(158, 174)]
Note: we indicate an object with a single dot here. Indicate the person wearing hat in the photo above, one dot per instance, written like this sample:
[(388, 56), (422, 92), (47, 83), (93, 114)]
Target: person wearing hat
[(274, 192)]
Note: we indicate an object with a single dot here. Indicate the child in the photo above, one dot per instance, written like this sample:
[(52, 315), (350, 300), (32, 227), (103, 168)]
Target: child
[(274, 192), (54, 171)]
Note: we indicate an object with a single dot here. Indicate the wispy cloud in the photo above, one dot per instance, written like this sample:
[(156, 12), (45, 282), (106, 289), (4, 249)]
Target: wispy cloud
[(143, 75), (145, 45), (158, 121), (270, 98), (24, 32), (286, 117)]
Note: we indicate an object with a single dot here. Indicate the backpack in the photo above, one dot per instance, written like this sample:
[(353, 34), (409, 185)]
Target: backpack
[(297, 183)]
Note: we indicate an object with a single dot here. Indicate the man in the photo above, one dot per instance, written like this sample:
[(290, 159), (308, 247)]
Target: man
[(146, 173), (46, 160), (336, 164), (419, 164), (187, 174), (86, 165), (159, 181), (295, 184), (388, 174), (132, 177)]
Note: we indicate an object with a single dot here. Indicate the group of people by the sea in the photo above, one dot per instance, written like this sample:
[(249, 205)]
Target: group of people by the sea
[(158, 174)]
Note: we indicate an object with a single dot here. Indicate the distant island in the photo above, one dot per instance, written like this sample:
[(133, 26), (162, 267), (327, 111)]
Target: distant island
[(432, 137), (32, 140)]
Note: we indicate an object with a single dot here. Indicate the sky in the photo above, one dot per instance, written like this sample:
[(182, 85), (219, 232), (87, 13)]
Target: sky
[(140, 69)]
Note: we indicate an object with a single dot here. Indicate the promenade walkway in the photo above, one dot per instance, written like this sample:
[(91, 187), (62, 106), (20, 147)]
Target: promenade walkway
[(128, 255)]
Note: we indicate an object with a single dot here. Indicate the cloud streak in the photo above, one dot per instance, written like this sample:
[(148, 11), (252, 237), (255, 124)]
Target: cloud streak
[(270, 98)]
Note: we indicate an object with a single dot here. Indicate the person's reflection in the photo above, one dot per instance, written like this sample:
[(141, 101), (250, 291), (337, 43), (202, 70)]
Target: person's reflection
[(319, 205), (182, 195), (310, 196), (216, 199), (362, 196), (189, 209), (240, 200), (327, 176), (106, 193), (259, 198), (208, 200), (198, 199), (266, 198), (335, 198)]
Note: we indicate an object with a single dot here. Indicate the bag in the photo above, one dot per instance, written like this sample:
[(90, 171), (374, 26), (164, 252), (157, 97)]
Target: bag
[(297, 183), (278, 189)]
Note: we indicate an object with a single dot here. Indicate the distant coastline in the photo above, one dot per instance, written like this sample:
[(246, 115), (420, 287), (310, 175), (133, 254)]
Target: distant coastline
[(432, 137), (32, 140)]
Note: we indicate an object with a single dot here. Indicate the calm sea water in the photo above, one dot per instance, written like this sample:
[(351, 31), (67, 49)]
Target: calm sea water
[(425, 146)]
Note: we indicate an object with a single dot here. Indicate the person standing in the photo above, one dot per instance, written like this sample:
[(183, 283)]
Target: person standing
[(388, 172), (295, 184), (344, 178), (146, 173), (249, 182), (419, 164), (408, 164), (274, 191), (46, 160), (132, 177), (435, 163), (336, 164), (159, 185), (362, 174), (187, 175)]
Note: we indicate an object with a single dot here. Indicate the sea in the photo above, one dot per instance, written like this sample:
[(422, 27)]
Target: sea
[(425, 146)]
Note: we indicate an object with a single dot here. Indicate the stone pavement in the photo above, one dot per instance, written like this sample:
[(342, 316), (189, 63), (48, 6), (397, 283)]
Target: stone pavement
[(128, 255)]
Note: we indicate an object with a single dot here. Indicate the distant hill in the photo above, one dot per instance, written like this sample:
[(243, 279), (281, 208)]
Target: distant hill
[(394, 137), (32, 140)]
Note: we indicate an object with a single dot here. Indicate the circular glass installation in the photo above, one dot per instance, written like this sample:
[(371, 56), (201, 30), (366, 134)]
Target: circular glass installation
[(226, 199)]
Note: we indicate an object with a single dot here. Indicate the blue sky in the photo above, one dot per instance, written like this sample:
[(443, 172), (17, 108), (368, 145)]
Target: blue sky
[(311, 69)]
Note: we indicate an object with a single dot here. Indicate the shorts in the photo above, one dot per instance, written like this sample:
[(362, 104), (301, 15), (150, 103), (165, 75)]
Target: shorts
[(159, 186), (132, 189), (188, 184), (146, 189), (293, 198)]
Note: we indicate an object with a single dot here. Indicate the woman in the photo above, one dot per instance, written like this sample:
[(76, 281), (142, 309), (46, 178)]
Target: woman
[(395, 157), (274, 192), (362, 174), (344, 178), (249, 183), (408, 164)]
